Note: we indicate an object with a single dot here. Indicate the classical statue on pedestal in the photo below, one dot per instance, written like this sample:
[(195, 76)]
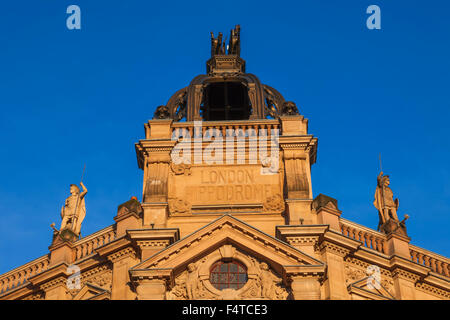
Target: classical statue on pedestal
[(72, 213), (387, 207)]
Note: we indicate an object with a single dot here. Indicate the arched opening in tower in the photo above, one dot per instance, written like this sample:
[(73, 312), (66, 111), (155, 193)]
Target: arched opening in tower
[(225, 101)]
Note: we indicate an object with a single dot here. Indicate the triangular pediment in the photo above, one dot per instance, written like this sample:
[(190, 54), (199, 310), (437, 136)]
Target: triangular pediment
[(269, 264), (369, 289), (228, 230), (92, 292)]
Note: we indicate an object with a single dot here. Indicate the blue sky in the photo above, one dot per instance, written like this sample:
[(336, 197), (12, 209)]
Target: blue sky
[(75, 97)]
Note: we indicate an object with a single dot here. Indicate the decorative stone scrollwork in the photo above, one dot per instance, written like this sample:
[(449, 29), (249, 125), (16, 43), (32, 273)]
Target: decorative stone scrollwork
[(274, 203), (181, 168), (353, 275), (36, 296), (179, 206)]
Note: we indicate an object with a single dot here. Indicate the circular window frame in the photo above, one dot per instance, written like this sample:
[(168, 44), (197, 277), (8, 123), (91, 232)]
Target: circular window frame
[(218, 264)]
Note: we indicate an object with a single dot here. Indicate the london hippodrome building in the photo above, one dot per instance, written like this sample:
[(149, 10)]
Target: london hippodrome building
[(246, 228)]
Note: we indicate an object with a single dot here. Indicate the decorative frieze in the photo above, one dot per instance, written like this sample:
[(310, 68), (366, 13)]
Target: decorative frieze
[(333, 248), (121, 254), (443, 294)]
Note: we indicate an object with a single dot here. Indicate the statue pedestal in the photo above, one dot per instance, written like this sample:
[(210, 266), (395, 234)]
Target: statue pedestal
[(61, 251), (392, 226), (398, 245)]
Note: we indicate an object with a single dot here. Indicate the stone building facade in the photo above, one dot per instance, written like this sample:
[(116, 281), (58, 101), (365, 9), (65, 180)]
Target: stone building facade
[(228, 212)]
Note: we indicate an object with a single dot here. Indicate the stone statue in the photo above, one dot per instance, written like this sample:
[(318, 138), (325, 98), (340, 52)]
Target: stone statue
[(192, 281), (234, 44), (216, 44), (266, 281), (387, 207), (74, 210), (218, 47), (384, 199)]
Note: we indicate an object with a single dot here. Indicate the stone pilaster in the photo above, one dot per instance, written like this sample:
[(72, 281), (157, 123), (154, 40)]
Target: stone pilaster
[(333, 255), (404, 284), (56, 289), (151, 289), (122, 261), (305, 287), (151, 241)]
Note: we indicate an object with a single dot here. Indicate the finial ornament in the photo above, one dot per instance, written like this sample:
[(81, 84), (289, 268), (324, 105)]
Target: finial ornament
[(387, 207)]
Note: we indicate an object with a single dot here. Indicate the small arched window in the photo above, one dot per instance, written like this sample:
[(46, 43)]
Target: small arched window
[(224, 275)]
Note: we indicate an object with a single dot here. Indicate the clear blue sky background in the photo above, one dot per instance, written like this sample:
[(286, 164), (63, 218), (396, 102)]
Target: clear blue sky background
[(74, 97)]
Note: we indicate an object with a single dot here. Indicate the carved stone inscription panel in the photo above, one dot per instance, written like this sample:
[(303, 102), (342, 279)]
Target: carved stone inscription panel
[(225, 185)]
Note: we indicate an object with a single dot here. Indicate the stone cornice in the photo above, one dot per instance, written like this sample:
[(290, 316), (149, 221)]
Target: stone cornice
[(18, 292), (366, 293), (282, 232), (150, 274), (171, 234), (341, 240), (53, 277), (304, 271), (432, 289), (56, 272), (126, 215), (117, 249), (437, 280), (297, 142), (232, 227), (121, 254), (399, 263)]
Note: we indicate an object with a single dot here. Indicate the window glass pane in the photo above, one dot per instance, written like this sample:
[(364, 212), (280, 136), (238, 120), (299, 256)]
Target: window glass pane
[(214, 277), (228, 275), (224, 267), (223, 277), (233, 277), (233, 267)]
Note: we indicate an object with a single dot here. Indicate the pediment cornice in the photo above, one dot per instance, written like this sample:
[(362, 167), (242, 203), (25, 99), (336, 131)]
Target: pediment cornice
[(227, 230)]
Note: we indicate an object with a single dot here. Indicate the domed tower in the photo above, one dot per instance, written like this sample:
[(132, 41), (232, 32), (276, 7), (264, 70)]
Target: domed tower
[(227, 144), (226, 91)]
